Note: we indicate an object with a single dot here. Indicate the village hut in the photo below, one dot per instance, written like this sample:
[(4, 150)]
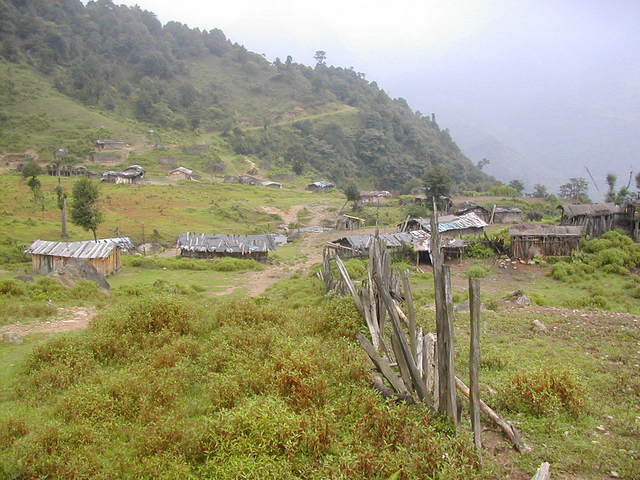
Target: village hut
[(471, 207), (104, 255), (376, 198), (202, 245), (506, 215), (272, 184), (531, 239), (110, 144), (448, 225), (400, 244), (181, 173), (445, 204), (595, 218), (349, 222), (632, 218), (320, 186), (130, 175)]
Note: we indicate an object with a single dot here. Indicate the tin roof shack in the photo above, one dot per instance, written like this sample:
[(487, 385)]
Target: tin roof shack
[(202, 245), (47, 257), (109, 144), (131, 175), (320, 186), (531, 239), (181, 173), (349, 222), (506, 215), (401, 244), (272, 184), (470, 207), (376, 198), (595, 218), (398, 244), (448, 225), (632, 218), (69, 171)]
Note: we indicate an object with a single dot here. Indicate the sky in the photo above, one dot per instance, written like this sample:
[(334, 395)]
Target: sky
[(541, 88)]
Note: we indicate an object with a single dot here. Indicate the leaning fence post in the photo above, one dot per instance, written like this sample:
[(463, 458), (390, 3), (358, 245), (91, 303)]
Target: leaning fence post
[(446, 350), (474, 360)]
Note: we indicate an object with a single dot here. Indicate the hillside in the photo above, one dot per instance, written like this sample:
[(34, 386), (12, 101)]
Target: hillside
[(81, 71)]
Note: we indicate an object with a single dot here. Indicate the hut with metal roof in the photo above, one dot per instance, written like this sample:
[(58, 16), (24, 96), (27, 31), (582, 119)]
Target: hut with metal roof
[(375, 198), (471, 207), (349, 222), (595, 218), (105, 254), (506, 215), (320, 186), (531, 239), (203, 245), (181, 173), (448, 225), (130, 175)]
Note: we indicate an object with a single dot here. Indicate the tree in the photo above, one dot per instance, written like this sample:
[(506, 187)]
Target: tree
[(517, 185), (483, 163), (62, 205), (31, 169), (438, 184), (84, 211), (320, 57), (611, 182), (540, 191), (575, 190), (352, 193)]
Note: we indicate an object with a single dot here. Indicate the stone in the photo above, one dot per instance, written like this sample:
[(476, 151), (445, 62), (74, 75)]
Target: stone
[(523, 300), (12, 337), (538, 326), (614, 474), (77, 269)]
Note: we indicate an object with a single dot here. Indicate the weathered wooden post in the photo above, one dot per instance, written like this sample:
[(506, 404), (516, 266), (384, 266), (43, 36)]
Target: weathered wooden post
[(444, 325), (474, 360)]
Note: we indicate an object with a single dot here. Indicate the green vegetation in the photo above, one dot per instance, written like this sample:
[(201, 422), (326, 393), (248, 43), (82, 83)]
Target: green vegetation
[(225, 264), (250, 388)]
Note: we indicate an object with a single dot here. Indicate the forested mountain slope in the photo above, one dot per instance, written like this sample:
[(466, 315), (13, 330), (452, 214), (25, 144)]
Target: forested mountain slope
[(196, 86)]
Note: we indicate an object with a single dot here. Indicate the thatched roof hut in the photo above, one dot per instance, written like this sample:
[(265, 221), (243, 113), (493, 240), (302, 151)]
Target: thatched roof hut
[(595, 218)]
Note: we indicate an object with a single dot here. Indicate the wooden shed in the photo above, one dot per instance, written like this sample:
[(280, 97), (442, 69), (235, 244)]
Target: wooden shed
[(506, 215), (595, 218), (448, 225), (130, 175), (181, 173), (470, 207), (202, 245), (375, 198), (321, 186), (632, 218), (110, 144), (47, 257), (349, 222), (531, 239)]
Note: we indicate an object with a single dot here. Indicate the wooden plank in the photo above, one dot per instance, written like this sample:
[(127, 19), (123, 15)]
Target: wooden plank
[(543, 473), (395, 321), (382, 365), (509, 430), (446, 351), (474, 361), (411, 317)]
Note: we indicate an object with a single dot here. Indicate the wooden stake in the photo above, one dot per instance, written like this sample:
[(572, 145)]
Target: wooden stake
[(474, 361), (446, 351)]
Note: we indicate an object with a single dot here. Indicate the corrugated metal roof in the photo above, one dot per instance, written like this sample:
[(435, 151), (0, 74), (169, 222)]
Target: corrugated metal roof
[(508, 210), (377, 193), (418, 239), (184, 170), (88, 249), (591, 209), (448, 223), (542, 230), (223, 243), (321, 184)]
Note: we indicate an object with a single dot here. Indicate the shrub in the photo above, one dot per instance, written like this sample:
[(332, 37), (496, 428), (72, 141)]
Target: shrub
[(477, 271), (476, 248), (224, 264), (12, 288), (543, 391)]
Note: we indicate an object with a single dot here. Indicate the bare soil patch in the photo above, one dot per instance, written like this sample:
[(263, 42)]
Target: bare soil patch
[(67, 319)]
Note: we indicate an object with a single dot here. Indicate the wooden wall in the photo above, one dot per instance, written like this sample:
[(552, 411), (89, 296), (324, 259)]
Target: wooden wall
[(527, 247), (44, 264)]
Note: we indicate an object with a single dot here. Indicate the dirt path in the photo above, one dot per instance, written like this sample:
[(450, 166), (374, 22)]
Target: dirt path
[(290, 216), (66, 320)]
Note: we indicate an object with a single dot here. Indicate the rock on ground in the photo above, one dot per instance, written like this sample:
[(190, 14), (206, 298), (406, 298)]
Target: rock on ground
[(12, 337), (78, 269)]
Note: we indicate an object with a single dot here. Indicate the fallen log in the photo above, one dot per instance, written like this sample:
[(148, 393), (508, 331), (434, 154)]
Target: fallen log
[(509, 430)]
